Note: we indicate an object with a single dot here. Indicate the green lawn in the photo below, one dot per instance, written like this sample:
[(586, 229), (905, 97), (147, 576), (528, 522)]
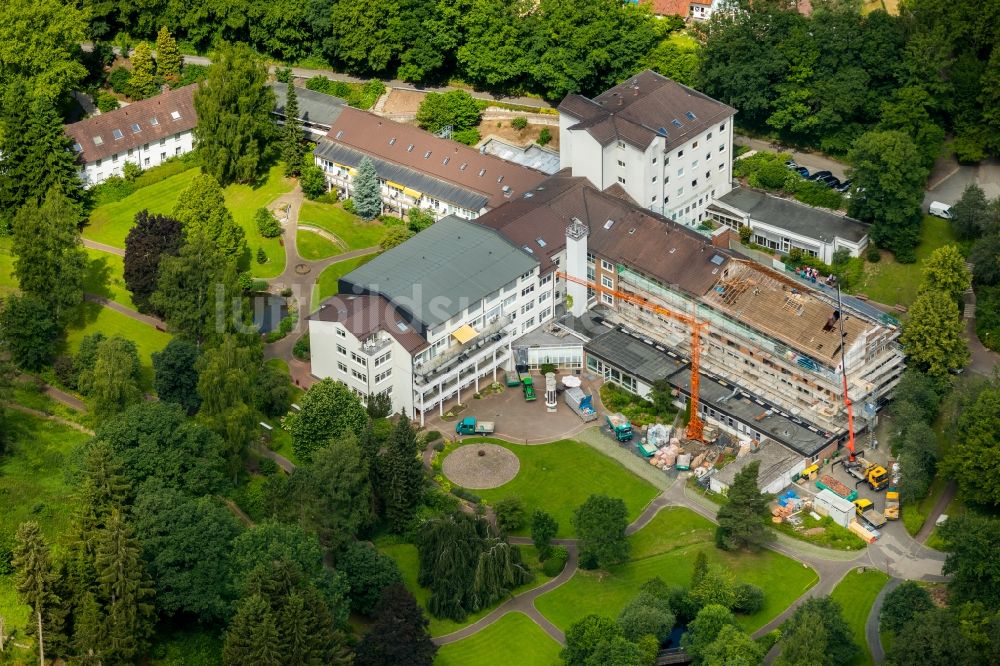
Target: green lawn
[(8, 283), (326, 284), (666, 548), (110, 223), (106, 277), (281, 440), (405, 555), (93, 317), (349, 228), (513, 639), (312, 246), (33, 486), (856, 593), (890, 282), (558, 478)]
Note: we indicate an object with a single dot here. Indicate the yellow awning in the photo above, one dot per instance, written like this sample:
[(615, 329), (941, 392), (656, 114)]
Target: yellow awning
[(352, 171), (391, 183), (465, 334), (412, 193)]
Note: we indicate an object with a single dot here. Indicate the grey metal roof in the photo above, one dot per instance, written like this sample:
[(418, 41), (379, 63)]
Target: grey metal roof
[(432, 187), (441, 271), (794, 217), (774, 460), (314, 107), (534, 156), (635, 356)]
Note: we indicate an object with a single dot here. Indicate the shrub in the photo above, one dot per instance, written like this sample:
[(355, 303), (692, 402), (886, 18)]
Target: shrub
[(65, 371), (588, 560), (283, 74), (432, 435), (458, 491), (105, 101), (438, 446), (267, 223), (192, 74), (544, 137), (267, 467), (519, 123), (349, 206), (115, 188), (131, 171), (556, 562), (510, 514), (749, 599), (258, 285), (312, 181), (301, 348), (261, 256), (546, 368), (469, 137), (118, 79), (872, 254), (286, 292)]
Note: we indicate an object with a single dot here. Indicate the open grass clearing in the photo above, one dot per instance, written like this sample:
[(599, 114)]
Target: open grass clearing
[(93, 317), (405, 555), (243, 201), (891, 282), (667, 548), (312, 246), (351, 229), (106, 277), (8, 283), (326, 283), (558, 478), (856, 593), (513, 639)]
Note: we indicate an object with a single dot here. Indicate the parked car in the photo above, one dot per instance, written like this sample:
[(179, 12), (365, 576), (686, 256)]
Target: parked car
[(938, 209), (819, 174), (802, 171), (792, 165), (829, 181), (844, 186)]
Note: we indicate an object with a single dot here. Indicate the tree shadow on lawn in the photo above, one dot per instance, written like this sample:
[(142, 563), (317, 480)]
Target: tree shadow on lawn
[(98, 278)]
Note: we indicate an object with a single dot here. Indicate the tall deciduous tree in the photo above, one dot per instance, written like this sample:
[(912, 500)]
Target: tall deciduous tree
[(456, 109), (368, 36), (234, 115), (49, 260), (934, 638), (28, 332), (888, 185), (201, 210), (741, 518), (168, 56), (732, 647), (600, 523), (35, 152), (367, 191), (175, 374), (945, 271), (971, 215), (973, 541), (705, 628), (292, 150), (39, 45), (933, 337), (370, 573), (227, 377), (402, 476), (543, 528), (902, 604), (975, 457), (585, 636), (400, 632), (142, 81), (113, 384), (329, 409), (817, 633), (149, 240)]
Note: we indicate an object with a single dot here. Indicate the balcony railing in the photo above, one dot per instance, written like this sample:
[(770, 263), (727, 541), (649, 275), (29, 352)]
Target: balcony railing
[(375, 345), (460, 354)]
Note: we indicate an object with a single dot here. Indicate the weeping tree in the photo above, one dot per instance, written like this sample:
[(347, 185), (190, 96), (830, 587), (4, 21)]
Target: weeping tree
[(467, 565)]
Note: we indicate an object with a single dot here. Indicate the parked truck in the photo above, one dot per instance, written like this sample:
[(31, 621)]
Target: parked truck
[(836, 487), (891, 504), (620, 427), (580, 402), (469, 426), (866, 511), (865, 471), (529, 389)]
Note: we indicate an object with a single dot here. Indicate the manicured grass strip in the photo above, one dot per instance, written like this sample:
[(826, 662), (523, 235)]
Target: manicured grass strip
[(106, 277), (8, 283), (345, 226), (606, 593), (326, 284), (856, 593), (312, 246), (513, 639), (110, 223), (93, 317), (243, 201), (558, 478), (890, 282)]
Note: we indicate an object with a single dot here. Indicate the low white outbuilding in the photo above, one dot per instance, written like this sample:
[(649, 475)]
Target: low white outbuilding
[(828, 503)]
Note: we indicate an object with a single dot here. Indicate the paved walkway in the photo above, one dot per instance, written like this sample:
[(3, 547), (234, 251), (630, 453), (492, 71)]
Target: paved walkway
[(49, 417), (128, 312), (947, 495), (103, 247), (872, 636), (283, 462)]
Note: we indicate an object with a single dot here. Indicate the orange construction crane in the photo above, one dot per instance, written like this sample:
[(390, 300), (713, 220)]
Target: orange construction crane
[(695, 424), (843, 373)]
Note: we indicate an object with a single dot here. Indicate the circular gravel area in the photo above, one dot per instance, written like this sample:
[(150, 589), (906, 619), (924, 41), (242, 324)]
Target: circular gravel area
[(466, 468)]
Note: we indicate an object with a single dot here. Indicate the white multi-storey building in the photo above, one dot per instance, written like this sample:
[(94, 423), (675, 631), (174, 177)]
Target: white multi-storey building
[(433, 318), (668, 146), (146, 133)]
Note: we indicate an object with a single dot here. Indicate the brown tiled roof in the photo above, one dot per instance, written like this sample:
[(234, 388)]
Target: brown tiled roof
[(365, 315), (670, 7), (642, 107), (638, 238), (140, 113), (449, 161)]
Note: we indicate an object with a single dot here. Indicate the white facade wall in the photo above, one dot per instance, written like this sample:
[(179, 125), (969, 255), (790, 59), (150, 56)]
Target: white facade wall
[(148, 155)]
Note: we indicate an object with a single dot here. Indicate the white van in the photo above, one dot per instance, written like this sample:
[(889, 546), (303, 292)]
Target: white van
[(938, 209)]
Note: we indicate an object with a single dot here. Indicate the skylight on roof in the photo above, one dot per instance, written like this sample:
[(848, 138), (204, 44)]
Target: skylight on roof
[(135, 128), (77, 147), (690, 116), (464, 164), (392, 141), (401, 327), (175, 115), (409, 148), (676, 123), (98, 141), (427, 154), (154, 121), (117, 133), (482, 172), (718, 259), (500, 179), (340, 133), (445, 160), (609, 224), (528, 250), (540, 241), (663, 131)]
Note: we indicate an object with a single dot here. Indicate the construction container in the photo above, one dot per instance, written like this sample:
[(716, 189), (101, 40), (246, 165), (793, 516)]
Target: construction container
[(684, 461), (581, 403)]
